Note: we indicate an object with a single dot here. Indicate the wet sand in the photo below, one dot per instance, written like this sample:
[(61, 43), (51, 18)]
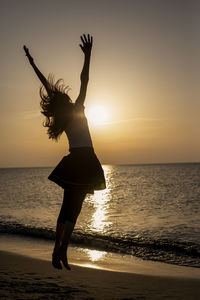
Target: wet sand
[(23, 277)]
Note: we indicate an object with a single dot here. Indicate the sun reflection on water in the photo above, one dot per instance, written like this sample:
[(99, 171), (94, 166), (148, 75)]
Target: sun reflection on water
[(95, 255), (101, 201)]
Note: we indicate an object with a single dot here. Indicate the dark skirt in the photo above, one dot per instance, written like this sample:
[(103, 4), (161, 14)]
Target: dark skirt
[(80, 169)]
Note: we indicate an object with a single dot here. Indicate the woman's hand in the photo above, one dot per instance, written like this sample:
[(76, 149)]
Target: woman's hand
[(86, 48), (28, 55), (87, 44), (37, 71)]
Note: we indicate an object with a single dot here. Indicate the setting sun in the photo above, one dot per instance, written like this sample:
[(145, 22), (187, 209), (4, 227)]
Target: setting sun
[(97, 115)]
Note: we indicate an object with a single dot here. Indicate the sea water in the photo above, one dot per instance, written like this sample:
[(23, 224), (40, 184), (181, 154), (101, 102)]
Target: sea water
[(148, 211)]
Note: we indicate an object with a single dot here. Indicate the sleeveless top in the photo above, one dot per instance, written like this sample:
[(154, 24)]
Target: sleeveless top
[(77, 131)]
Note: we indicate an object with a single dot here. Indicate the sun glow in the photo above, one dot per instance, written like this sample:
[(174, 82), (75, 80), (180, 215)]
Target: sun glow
[(97, 115)]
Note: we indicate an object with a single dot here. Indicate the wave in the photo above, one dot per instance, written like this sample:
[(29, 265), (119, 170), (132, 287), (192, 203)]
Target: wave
[(184, 254)]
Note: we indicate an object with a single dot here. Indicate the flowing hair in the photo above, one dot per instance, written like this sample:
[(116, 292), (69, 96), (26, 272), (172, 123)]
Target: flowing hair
[(56, 106)]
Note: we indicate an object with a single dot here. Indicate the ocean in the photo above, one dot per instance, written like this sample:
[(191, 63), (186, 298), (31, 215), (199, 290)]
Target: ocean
[(147, 211)]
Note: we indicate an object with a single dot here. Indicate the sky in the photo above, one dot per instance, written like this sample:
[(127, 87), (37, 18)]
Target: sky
[(145, 69)]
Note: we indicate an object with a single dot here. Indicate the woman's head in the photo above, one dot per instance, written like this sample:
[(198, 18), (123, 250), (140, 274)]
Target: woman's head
[(56, 106)]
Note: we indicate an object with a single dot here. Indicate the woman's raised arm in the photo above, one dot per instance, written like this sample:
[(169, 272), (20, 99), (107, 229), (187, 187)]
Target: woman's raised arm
[(86, 47), (37, 71)]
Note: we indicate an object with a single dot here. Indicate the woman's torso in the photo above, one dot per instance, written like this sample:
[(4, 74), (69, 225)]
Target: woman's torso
[(77, 130)]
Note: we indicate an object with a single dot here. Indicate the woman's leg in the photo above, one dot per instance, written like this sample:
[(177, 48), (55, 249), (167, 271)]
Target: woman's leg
[(74, 199), (59, 233), (55, 256), (70, 210)]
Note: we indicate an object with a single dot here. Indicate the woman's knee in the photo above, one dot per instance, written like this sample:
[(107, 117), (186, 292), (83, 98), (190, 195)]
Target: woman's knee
[(72, 204), (65, 217)]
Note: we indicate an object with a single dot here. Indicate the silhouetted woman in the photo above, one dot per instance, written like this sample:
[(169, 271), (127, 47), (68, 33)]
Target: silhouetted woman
[(80, 172)]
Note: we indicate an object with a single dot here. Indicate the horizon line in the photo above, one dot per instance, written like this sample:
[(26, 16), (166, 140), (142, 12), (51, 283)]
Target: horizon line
[(112, 164)]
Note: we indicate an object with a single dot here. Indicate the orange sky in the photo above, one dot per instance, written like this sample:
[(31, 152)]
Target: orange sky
[(144, 70)]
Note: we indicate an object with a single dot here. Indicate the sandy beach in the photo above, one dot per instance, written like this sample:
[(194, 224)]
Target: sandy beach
[(22, 277)]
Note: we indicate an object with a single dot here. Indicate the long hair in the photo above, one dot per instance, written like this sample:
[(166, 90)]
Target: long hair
[(56, 106)]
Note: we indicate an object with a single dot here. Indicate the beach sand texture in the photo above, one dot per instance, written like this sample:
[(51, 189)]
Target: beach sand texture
[(23, 277)]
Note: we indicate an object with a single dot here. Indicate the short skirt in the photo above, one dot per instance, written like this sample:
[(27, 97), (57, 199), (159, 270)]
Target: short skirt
[(79, 169)]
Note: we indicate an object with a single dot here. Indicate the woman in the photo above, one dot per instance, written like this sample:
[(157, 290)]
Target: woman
[(80, 172)]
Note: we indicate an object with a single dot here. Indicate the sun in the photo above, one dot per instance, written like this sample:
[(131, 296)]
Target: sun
[(97, 115)]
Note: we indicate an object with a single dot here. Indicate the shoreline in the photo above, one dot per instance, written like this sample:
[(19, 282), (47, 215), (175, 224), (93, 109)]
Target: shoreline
[(24, 277), (80, 256)]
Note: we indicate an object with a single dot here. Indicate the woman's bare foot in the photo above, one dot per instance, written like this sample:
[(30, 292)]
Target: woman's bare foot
[(63, 257), (56, 261)]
